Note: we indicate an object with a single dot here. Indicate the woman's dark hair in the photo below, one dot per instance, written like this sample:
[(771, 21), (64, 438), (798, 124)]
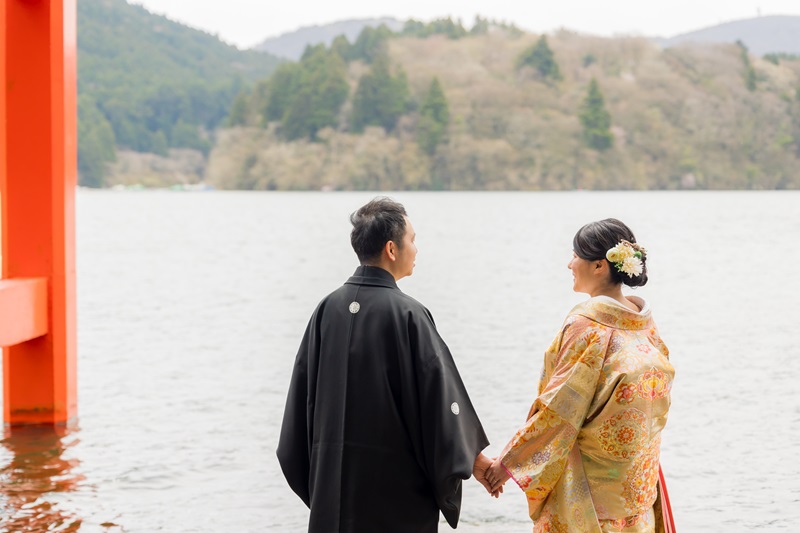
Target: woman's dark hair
[(376, 223), (593, 241)]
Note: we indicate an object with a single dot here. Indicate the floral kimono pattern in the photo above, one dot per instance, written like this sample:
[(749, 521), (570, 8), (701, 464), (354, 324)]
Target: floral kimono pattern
[(588, 456)]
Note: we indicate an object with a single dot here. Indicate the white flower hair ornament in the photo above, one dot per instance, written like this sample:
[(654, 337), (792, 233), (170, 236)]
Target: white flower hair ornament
[(627, 258)]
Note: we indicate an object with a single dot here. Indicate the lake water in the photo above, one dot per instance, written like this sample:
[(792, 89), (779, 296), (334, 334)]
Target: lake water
[(191, 307)]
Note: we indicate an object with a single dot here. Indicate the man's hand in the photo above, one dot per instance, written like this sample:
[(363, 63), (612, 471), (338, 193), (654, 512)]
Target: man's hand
[(482, 464), (496, 475)]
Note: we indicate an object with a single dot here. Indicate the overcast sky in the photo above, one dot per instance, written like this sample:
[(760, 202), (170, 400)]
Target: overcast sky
[(248, 22)]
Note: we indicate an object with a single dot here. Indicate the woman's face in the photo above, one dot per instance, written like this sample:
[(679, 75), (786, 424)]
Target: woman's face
[(583, 274)]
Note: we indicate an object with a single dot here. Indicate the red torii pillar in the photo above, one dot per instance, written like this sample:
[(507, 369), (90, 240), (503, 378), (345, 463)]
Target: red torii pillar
[(38, 171)]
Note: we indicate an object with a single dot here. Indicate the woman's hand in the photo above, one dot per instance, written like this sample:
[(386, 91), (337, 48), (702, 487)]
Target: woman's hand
[(482, 463), (496, 475)]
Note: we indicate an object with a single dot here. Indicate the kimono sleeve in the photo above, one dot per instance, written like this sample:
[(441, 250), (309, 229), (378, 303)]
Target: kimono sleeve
[(451, 433), (537, 454), (294, 445)]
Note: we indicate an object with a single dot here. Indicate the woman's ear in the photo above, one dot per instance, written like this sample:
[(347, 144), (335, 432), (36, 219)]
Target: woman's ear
[(600, 266)]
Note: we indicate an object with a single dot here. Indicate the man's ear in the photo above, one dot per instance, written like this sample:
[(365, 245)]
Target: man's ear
[(391, 250)]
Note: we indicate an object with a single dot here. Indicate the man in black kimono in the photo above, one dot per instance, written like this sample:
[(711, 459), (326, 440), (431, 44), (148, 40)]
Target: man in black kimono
[(378, 430)]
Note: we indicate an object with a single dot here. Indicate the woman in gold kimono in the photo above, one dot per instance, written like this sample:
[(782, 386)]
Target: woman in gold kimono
[(588, 455)]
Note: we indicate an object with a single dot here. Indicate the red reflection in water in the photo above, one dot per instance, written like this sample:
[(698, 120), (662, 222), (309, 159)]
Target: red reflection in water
[(33, 470)]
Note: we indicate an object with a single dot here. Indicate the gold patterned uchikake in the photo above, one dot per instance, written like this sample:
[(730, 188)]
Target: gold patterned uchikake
[(581, 462)]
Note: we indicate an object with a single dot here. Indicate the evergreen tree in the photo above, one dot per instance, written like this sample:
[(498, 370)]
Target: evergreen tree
[(371, 44), (480, 26), (96, 143), (159, 144), (402, 94), (434, 116), (749, 71), (239, 110), (541, 58), (319, 92), (776, 57), (380, 99), (414, 28), (342, 47), (282, 88), (446, 26), (185, 135), (453, 29), (122, 116), (596, 120)]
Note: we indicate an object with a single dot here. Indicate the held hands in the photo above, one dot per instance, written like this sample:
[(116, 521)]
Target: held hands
[(481, 468), (496, 476)]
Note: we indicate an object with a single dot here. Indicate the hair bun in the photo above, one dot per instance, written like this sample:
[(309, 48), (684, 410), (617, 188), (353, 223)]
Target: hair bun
[(612, 240)]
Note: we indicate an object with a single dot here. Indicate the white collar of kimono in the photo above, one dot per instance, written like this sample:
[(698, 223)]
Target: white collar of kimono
[(644, 306)]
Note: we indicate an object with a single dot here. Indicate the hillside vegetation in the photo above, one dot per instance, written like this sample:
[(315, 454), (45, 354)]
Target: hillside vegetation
[(147, 84), (707, 117)]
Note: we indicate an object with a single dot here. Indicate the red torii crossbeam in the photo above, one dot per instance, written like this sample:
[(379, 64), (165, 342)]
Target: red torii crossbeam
[(38, 172)]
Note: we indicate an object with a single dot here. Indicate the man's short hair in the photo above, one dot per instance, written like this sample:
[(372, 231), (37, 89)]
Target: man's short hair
[(376, 223)]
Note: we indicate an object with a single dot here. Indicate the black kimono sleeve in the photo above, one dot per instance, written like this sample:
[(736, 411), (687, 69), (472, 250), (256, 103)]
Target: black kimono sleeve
[(452, 435), (294, 445)]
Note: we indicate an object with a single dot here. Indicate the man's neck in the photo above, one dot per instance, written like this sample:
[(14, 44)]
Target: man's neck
[(385, 264)]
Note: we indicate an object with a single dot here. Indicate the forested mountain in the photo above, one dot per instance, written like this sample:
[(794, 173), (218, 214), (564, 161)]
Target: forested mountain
[(290, 45), (432, 105), (147, 84), (438, 106), (762, 35)]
